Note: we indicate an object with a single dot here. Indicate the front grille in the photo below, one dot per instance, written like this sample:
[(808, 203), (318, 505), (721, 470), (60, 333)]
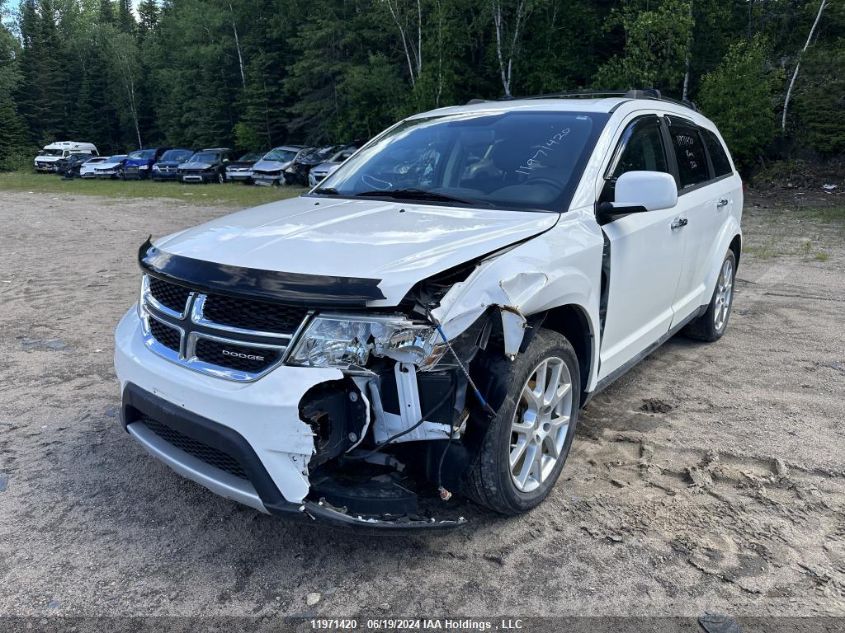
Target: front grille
[(239, 357), (169, 295), (227, 337), (164, 334), (202, 451), (253, 315)]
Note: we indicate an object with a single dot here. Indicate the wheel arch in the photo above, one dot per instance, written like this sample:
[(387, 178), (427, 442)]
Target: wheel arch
[(736, 247), (573, 322)]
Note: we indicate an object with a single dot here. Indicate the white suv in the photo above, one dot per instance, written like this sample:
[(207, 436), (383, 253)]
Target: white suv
[(432, 318)]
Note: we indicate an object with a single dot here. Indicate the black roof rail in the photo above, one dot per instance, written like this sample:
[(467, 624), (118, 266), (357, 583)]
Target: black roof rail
[(643, 93)]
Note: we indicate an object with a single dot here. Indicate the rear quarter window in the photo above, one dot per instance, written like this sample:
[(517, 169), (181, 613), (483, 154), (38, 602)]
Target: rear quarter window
[(718, 155), (689, 151)]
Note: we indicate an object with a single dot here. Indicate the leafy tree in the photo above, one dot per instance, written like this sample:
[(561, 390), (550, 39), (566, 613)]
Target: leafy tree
[(13, 133), (739, 97), (657, 36), (820, 102)]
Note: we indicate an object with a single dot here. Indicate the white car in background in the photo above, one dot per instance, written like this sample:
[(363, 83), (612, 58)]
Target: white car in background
[(47, 158), (323, 170), (431, 319), (87, 170), (111, 168)]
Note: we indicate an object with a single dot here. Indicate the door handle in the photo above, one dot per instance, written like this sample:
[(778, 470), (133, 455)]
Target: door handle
[(678, 223), (722, 203)]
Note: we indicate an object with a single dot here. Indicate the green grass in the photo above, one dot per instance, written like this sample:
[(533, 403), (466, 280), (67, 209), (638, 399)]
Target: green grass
[(823, 215), (229, 194)]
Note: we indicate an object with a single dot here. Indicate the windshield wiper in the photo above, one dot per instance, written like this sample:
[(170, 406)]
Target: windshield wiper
[(412, 194), (326, 191)]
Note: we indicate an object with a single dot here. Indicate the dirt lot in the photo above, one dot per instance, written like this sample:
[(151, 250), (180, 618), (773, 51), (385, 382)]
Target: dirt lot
[(709, 478)]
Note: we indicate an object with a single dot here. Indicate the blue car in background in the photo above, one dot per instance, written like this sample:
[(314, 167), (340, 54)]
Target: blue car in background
[(167, 167), (138, 164)]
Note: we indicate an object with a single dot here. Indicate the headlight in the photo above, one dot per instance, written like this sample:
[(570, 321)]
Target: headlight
[(347, 342)]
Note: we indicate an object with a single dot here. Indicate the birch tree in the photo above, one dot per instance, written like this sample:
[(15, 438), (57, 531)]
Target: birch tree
[(508, 36), (788, 96), (407, 16)]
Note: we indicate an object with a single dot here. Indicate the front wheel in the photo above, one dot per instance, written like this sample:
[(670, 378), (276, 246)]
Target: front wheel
[(711, 325), (528, 441)]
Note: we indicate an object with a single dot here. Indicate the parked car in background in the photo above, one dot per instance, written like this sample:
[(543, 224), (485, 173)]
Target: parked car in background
[(167, 167), (206, 165), (52, 153), (297, 173), (87, 169), (69, 167), (111, 168), (241, 169), (270, 170), (138, 164), (319, 173)]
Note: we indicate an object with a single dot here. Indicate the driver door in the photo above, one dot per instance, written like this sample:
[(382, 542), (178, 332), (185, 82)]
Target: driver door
[(645, 255)]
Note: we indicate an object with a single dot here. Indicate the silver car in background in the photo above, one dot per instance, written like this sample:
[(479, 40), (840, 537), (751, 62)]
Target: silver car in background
[(321, 171), (270, 170)]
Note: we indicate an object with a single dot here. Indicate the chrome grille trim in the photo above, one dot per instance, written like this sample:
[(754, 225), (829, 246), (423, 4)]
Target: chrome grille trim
[(192, 315)]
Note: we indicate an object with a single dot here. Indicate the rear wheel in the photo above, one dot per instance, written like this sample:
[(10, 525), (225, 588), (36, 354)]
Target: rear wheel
[(711, 325), (527, 443)]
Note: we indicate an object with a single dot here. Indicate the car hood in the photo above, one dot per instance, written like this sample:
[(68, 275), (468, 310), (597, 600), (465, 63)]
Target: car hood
[(270, 165), (48, 159), (396, 243), (195, 166), (240, 165), (136, 162), (108, 165)]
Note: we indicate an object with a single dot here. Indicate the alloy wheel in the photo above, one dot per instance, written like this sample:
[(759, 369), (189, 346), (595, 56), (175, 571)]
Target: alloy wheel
[(540, 424), (724, 295)]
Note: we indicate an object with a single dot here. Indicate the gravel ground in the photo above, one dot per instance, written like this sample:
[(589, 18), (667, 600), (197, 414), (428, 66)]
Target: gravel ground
[(711, 477)]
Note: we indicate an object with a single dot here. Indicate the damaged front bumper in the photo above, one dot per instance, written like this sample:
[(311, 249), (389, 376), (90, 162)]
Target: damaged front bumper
[(244, 441)]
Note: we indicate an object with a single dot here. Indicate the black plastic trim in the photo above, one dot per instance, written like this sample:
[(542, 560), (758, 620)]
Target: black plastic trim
[(138, 404), (257, 284)]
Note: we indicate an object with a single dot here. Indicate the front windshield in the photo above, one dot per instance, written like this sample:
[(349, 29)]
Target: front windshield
[(524, 160), (249, 158), (280, 155), (142, 154), (176, 155), (51, 152), (203, 157)]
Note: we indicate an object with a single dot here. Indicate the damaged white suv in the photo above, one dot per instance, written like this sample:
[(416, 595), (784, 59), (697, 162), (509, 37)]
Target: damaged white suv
[(431, 319)]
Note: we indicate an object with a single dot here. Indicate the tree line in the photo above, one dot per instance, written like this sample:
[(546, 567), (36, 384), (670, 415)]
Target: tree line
[(256, 74)]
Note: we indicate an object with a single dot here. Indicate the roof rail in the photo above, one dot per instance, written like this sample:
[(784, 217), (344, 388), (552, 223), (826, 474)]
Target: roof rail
[(644, 93)]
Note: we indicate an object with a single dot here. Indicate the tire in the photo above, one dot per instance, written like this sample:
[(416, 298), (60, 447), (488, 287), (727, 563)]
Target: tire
[(711, 325), (221, 178), (490, 481)]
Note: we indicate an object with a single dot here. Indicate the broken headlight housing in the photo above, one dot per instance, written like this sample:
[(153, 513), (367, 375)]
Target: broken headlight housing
[(348, 341)]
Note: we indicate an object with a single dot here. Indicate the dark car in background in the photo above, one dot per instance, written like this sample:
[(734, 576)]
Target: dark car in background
[(69, 167), (139, 163), (206, 165), (167, 166), (241, 169), (270, 170), (297, 173)]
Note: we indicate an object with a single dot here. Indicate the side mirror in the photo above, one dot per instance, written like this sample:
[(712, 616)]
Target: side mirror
[(638, 192)]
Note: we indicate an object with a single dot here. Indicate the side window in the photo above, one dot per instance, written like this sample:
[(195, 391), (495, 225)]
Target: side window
[(689, 150), (640, 149), (718, 156)]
